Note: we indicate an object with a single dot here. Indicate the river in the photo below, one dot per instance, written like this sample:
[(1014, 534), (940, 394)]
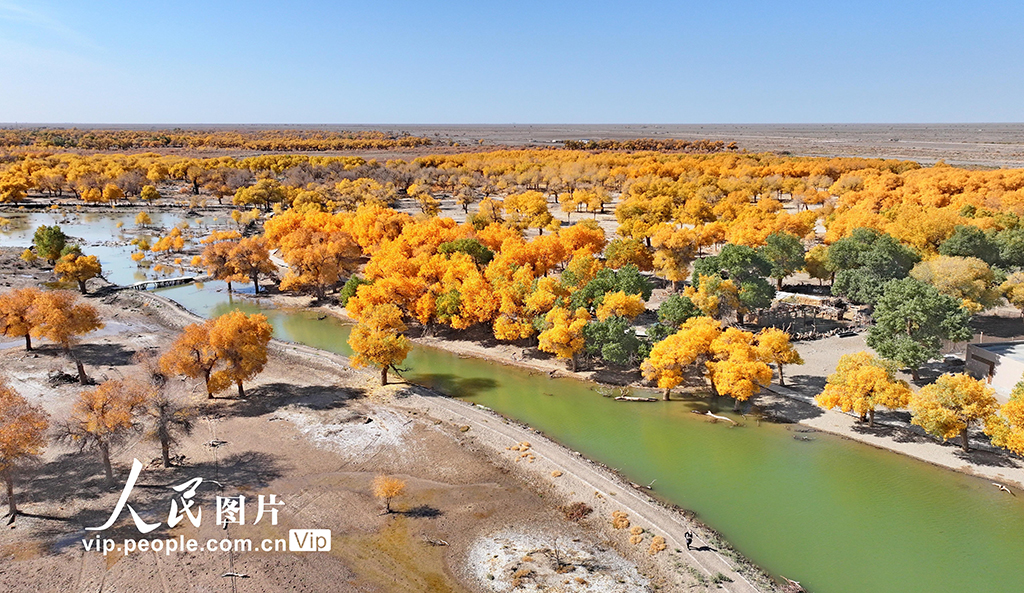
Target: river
[(837, 515)]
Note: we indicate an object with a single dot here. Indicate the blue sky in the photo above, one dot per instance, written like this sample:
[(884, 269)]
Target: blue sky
[(390, 61)]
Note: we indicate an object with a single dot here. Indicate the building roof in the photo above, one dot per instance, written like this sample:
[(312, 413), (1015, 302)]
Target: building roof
[(1012, 350)]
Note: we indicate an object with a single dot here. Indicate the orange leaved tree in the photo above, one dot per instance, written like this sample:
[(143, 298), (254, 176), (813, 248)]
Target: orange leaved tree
[(378, 340), (75, 267), (15, 314), (952, 404), (669, 359), (386, 488), (860, 384), (58, 317), (104, 416), (22, 435), (192, 355), (250, 258), (240, 342)]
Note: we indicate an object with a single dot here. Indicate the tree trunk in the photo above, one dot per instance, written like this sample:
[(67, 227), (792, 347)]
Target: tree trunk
[(28, 341), (108, 470), (206, 378), (165, 450), (12, 506), (229, 287), (915, 374), (871, 417), (778, 284), (668, 391), (82, 378), (256, 284), (384, 375), (81, 286), (572, 363), (241, 391), (736, 405), (964, 443), (739, 317)]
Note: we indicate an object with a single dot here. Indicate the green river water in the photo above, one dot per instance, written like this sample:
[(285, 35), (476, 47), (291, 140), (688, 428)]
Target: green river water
[(837, 515)]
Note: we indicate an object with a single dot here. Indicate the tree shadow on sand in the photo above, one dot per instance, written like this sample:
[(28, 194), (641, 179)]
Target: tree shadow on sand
[(74, 478), (268, 397), (422, 511)]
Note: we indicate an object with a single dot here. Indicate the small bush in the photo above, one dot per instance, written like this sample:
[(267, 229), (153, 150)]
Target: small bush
[(577, 511)]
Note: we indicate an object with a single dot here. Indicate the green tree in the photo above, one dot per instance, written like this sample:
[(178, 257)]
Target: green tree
[(911, 320), (970, 241), (866, 260), (349, 290), (746, 268), (785, 252), (470, 247), (50, 242), (676, 309), (628, 279), (1010, 243), (612, 339)]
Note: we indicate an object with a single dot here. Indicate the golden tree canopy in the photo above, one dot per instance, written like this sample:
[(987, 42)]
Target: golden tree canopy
[(59, 317), (564, 335), (951, 404), (240, 342), (861, 383), (75, 267), (16, 317), (669, 358), (22, 427)]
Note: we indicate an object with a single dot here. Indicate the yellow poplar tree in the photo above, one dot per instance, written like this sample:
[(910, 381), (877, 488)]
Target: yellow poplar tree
[(377, 340), (16, 319), (621, 304), (240, 341), (951, 405), (22, 435), (669, 358), (714, 296), (103, 416), (1007, 429), (737, 370), (58, 317), (861, 383), (194, 356), (773, 346), (564, 335), (75, 267)]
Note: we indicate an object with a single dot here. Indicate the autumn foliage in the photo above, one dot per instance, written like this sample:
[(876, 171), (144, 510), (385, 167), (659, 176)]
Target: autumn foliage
[(229, 349), (22, 435)]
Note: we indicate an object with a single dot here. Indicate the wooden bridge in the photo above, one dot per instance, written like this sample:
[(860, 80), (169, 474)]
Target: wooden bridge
[(147, 284)]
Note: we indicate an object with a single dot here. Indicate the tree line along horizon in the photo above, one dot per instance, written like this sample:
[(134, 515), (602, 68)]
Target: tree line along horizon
[(925, 247)]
